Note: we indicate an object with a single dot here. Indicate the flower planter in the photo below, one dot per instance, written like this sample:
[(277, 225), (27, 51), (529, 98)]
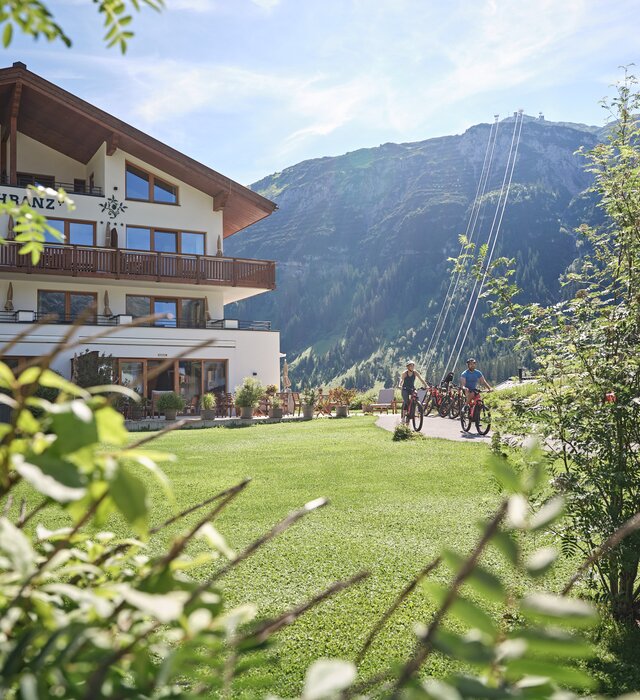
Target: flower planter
[(246, 412), (342, 411), (275, 413), (170, 413), (208, 413), (307, 412)]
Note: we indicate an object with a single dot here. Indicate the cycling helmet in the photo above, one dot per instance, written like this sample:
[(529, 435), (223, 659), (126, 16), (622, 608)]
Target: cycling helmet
[(410, 362), (471, 359)]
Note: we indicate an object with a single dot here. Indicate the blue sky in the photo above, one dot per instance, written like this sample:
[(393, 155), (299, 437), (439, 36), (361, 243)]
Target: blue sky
[(249, 87)]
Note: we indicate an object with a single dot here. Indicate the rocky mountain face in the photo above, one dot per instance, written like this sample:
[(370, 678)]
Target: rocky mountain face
[(362, 242)]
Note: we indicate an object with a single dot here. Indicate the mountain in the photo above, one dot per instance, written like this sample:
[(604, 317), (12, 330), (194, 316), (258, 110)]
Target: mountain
[(362, 243)]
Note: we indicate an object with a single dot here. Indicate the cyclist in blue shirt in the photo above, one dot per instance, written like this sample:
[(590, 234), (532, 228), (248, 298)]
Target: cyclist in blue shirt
[(470, 377)]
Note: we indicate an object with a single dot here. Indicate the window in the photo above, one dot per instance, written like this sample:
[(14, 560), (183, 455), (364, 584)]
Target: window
[(132, 375), (147, 187), (157, 240), (186, 313), (67, 306), (74, 232)]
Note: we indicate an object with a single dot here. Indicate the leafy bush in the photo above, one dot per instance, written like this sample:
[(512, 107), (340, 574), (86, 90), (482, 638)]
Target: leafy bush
[(404, 432), (341, 396), (309, 396), (170, 401), (249, 393), (208, 402)]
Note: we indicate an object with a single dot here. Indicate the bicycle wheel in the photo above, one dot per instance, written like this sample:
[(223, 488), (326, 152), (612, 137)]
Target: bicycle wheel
[(482, 419), (465, 418), (417, 416), (443, 408), (454, 407), (428, 405)]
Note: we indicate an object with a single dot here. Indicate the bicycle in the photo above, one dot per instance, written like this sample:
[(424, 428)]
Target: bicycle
[(414, 411), (456, 403), (476, 412), (433, 399)]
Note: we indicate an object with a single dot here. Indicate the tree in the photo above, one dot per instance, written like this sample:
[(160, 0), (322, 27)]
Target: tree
[(33, 18), (586, 353)]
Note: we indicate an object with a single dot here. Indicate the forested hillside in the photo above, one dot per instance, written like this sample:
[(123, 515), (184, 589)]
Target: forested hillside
[(362, 242)]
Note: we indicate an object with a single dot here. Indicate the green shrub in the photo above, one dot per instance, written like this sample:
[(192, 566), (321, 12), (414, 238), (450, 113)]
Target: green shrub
[(208, 402), (404, 432), (170, 401), (249, 393)]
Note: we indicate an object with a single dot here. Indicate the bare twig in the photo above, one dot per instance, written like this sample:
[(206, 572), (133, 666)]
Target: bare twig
[(406, 592), (425, 644), (25, 518), (271, 626), (630, 526), (149, 438)]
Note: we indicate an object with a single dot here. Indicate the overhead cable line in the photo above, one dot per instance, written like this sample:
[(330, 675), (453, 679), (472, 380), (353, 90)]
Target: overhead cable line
[(491, 242), (468, 235)]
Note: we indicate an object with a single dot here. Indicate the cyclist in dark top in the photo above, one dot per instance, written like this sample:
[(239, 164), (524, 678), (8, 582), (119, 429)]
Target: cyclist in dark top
[(408, 384), (470, 377)]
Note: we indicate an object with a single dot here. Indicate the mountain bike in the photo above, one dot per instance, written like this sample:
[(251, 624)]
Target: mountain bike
[(476, 412), (414, 412), (433, 399), (456, 403)]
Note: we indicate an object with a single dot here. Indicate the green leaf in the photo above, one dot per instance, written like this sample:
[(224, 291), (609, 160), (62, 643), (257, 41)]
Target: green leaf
[(462, 649), (163, 607), (328, 677), (51, 379), (481, 580), (27, 423), (110, 426), (7, 380), (130, 496), (463, 609), (507, 546), (75, 425), (505, 474), (17, 547), (563, 675), (50, 476), (549, 512), (7, 35), (555, 643), (473, 688), (216, 540), (559, 610), (439, 690), (541, 561)]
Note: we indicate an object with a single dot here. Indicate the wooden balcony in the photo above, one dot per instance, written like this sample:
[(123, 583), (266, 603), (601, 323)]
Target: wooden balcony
[(115, 263)]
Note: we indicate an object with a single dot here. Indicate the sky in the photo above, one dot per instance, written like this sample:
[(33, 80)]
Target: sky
[(250, 87)]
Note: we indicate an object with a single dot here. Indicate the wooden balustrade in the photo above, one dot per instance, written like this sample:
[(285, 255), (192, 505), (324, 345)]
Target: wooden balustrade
[(85, 261)]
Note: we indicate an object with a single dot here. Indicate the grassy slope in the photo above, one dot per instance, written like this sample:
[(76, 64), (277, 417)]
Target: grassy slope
[(393, 507)]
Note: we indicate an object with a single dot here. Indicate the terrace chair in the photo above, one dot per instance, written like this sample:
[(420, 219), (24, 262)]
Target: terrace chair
[(385, 401), (297, 403)]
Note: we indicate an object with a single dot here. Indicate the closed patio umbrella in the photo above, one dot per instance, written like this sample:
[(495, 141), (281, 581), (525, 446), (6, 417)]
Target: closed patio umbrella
[(10, 232), (219, 251), (107, 236), (207, 315), (107, 310), (9, 305)]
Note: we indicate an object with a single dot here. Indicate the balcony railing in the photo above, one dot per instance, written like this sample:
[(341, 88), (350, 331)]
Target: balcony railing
[(115, 263), (116, 320), (68, 187)]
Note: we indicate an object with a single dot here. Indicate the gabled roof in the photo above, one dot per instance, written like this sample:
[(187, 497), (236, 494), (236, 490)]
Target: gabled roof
[(76, 128)]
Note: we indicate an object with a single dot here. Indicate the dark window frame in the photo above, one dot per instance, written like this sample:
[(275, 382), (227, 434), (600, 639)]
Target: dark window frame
[(67, 234), (178, 233), (67, 300), (152, 180), (162, 297)]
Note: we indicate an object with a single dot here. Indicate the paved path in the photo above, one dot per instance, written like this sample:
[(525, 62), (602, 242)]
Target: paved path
[(434, 426)]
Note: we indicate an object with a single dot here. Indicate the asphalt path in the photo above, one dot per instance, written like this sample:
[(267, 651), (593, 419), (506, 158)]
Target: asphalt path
[(434, 426)]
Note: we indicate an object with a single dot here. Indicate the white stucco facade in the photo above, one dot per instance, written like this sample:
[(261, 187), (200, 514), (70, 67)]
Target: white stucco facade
[(106, 269)]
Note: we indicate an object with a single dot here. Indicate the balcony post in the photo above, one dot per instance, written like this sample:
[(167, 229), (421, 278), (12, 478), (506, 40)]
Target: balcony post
[(158, 254), (117, 254), (234, 262)]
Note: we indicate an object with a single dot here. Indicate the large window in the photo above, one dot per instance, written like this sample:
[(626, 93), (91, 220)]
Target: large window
[(132, 375), (25, 179), (74, 232), (67, 306), (147, 187), (159, 240), (185, 313)]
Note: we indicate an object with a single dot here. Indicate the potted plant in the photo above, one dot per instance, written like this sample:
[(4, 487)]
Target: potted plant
[(275, 410), (248, 394), (271, 390), (208, 403), (309, 398), (170, 404), (222, 408), (342, 398)]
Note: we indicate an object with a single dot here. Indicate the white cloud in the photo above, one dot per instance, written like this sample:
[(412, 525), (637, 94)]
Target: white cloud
[(266, 4)]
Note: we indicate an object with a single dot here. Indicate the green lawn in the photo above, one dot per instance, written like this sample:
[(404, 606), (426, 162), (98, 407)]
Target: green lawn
[(394, 505)]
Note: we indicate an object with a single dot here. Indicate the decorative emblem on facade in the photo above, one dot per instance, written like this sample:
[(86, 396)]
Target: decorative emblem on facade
[(113, 207)]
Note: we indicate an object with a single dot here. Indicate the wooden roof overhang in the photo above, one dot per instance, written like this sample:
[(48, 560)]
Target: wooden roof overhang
[(67, 124)]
